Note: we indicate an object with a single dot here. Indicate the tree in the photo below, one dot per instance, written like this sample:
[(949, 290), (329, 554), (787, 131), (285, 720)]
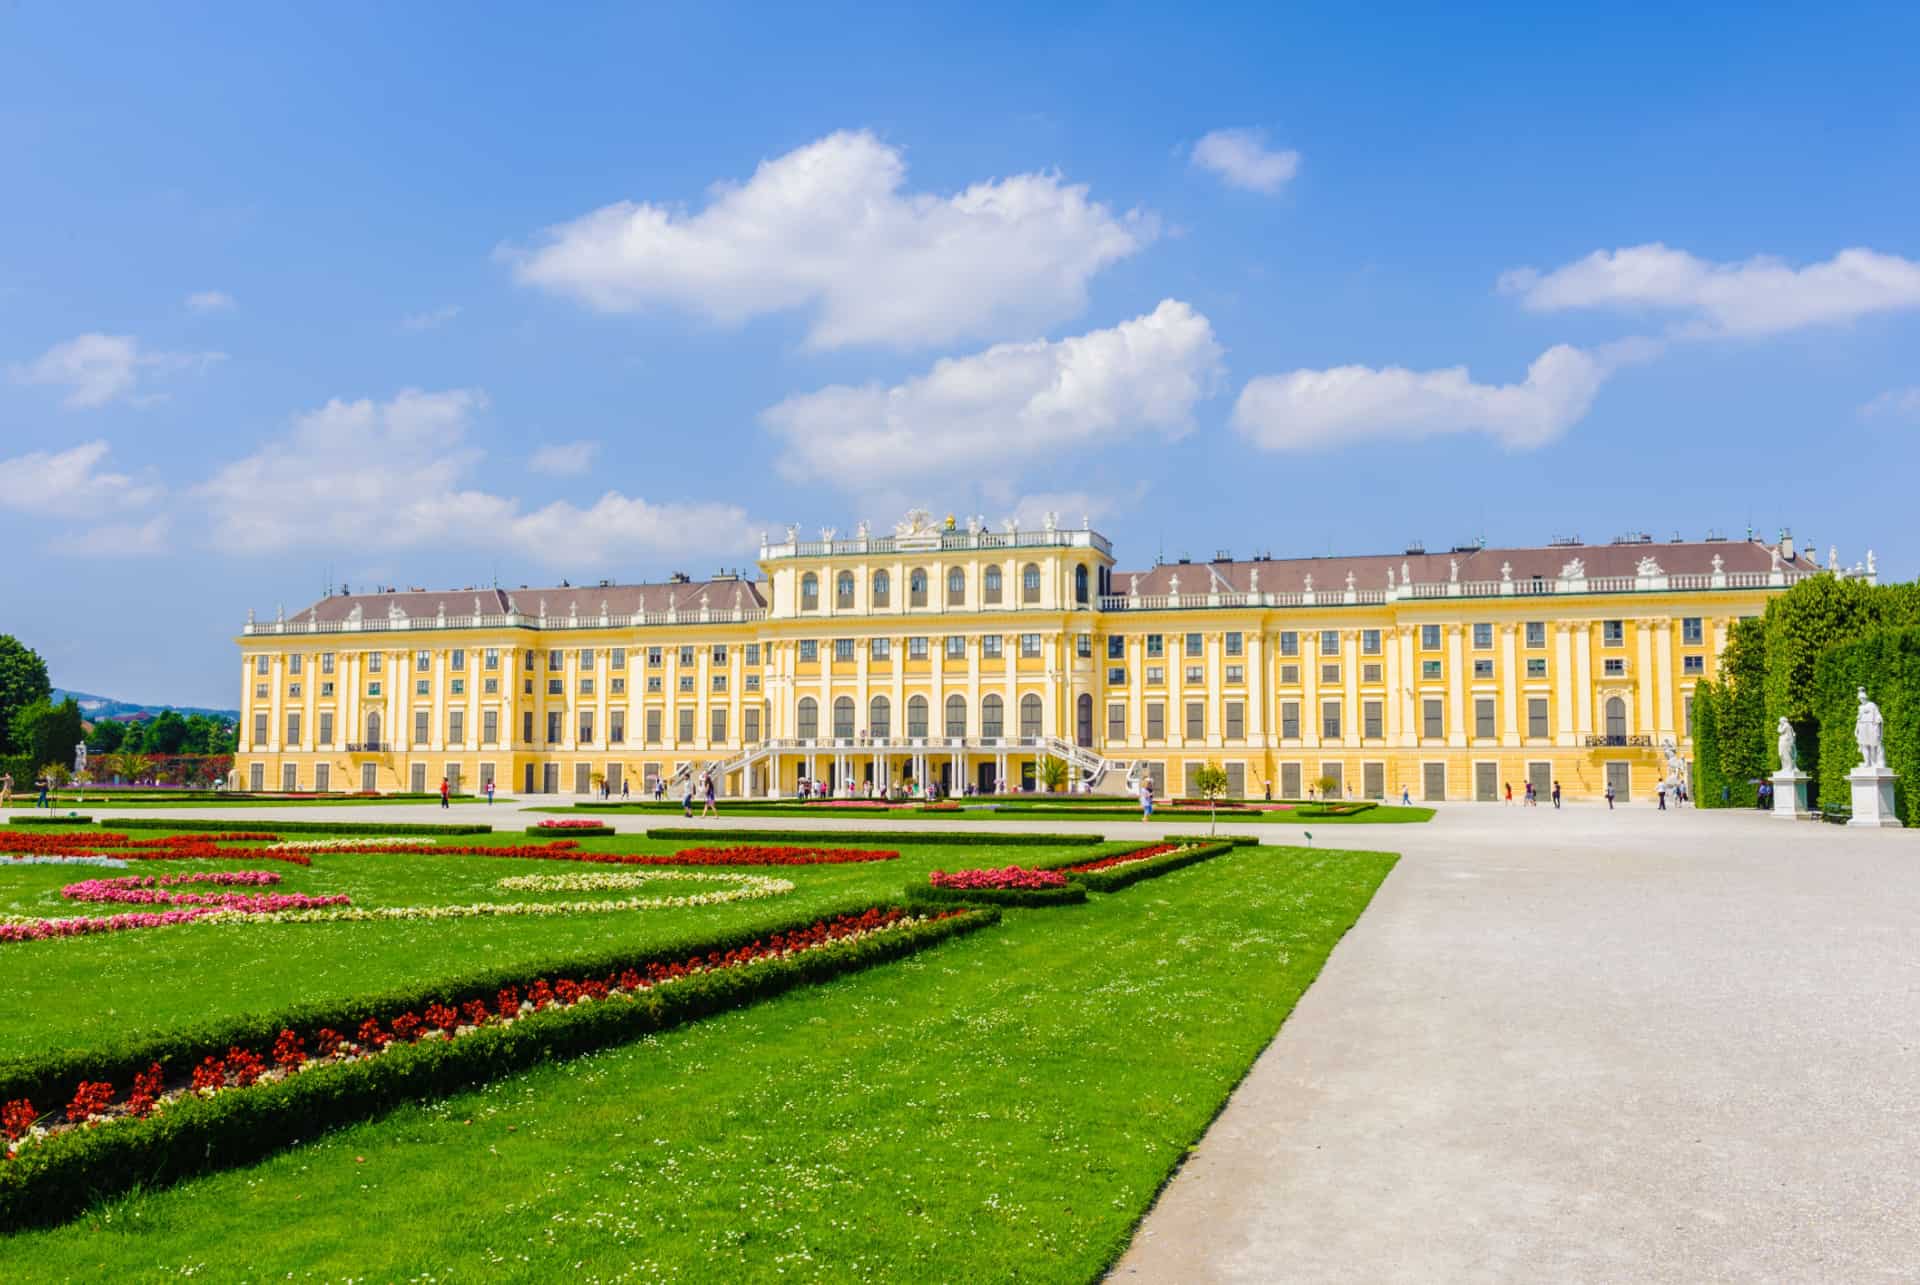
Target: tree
[(167, 734), (1211, 780), (47, 733), (106, 737), (23, 680), (1051, 772), (1328, 786)]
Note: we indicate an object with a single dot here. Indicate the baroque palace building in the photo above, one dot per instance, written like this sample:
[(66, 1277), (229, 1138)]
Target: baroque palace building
[(962, 655)]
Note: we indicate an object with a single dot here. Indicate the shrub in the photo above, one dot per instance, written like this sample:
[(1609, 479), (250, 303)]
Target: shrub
[(571, 831), (942, 837), (1887, 663), (1114, 878), (52, 819), (925, 894)]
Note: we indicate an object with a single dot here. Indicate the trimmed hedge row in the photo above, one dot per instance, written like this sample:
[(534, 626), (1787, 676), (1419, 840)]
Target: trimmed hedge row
[(51, 819), (926, 894), (1118, 877), (54, 1074), (292, 827), (945, 838), (571, 831), (52, 1182)]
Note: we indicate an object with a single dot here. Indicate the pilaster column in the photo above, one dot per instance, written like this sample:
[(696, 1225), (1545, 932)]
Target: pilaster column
[(1583, 723), (437, 722), (1563, 684), (1663, 678), (1644, 678), (1509, 686), (1257, 689), (1309, 689), (1456, 686), (276, 689)]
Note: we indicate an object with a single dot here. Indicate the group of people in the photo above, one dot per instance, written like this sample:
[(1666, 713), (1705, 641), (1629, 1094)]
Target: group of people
[(929, 791), (44, 784), (703, 786), (1530, 796)]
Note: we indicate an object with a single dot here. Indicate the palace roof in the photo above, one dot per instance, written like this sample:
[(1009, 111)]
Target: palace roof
[(582, 600)]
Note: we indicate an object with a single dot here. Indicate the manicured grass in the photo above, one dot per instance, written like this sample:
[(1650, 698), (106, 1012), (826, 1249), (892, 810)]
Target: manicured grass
[(1004, 1106), (80, 989)]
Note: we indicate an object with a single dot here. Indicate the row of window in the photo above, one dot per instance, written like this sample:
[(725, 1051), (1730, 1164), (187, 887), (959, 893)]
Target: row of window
[(992, 588), (880, 717), (953, 647), (1433, 719)]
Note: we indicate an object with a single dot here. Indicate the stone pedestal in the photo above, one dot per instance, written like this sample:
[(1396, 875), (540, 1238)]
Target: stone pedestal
[(1873, 797), (1790, 795)]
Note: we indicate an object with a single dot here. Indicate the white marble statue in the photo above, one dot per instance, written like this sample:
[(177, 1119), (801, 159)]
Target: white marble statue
[(80, 759), (1867, 730), (1576, 569), (1647, 568), (1789, 759)]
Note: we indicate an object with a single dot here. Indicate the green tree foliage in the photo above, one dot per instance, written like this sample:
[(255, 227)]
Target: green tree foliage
[(1887, 663), (23, 680), (1818, 613), (1741, 714), (1052, 773), (1210, 779), (166, 734), (47, 733), (1708, 778), (106, 737)]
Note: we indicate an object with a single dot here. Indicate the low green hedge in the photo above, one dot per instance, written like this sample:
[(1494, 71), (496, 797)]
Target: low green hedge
[(945, 838), (55, 1180), (1118, 877), (571, 831), (292, 827), (925, 894), (51, 819), (1236, 840)]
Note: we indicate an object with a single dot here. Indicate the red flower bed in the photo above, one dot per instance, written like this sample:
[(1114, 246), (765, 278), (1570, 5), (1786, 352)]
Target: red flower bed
[(1125, 858), (240, 1068), (185, 847), (1011, 877)]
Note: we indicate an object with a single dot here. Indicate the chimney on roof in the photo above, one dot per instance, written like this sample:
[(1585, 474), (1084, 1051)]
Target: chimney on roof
[(1786, 544)]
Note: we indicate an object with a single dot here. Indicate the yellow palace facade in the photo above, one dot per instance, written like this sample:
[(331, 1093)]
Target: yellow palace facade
[(963, 656)]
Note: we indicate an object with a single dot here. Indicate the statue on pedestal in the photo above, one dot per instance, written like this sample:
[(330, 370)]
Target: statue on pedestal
[(1789, 757), (1867, 732)]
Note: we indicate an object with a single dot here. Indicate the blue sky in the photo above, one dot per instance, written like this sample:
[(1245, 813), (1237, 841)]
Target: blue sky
[(434, 297)]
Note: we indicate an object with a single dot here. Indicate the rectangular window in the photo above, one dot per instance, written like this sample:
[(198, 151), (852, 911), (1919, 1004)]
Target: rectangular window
[(421, 718), (556, 661), (1195, 644), (1483, 725), (617, 658), (422, 661), (753, 653), (586, 727), (1536, 667), (373, 689), (1482, 636), (1433, 719), (1537, 717), (750, 726), (1693, 664), (1290, 781), (1116, 647), (618, 686), (459, 660), (719, 682), (1536, 633), (1373, 780), (719, 654), (586, 687), (1330, 720), (553, 727), (1236, 721), (1692, 631), (1289, 643), (843, 649), (490, 727), (422, 687), (1289, 674), (1117, 722), (1613, 633), (456, 727), (526, 727), (1030, 646), (990, 646), (1290, 719), (616, 727), (686, 656), (1234, 642), (809, 651), (1370, 673), (1429, 637), (1156, 721), (685, 727), (1083, 647), (653, 683), (880, 649), (717, 720), (1433, 782), (326, 662), (326, 729), (293, 689), (259, 691), (1156, 675), (917, 648), (260, 667), (293, 663), (1116, 676), (653, 727), (373, 662), (1236, 674), (1196, 674), (1686, 726), (1370, 719), (1196, 721), (753, 682), (1483, 669), (259, 732), (1156, 645), (293, 730), (1330, 673), (655, 657), (556, 687), (1430, 669), (1329, 642), (459, 687), (1369, 642), (956, 647), (1615, 667), (326, 689)]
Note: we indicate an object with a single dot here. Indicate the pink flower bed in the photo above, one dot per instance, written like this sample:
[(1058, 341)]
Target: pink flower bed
[(1010, 877), (556, 824)]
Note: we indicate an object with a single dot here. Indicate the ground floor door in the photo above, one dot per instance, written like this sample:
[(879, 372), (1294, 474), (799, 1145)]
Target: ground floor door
[(1540, 776), (1373, 780), (418, 781), (369, 778), (1083, 721), (614, 775), (528, 777), (583, 778), (1486, 782), (1335, 781), (486, 776), (453, 778), (983, 777), (1026, 775), (256, 777), (289, 777), (1620, 780), (1290, 781), (550, 778), (323, 777), (1433, 782), (946, 776)]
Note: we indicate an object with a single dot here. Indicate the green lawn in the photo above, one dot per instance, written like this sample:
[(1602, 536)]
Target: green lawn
[(1004, 1106)]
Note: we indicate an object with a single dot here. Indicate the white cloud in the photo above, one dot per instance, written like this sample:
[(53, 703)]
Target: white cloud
[(828, 229), (206, 301), (564, 459), (120, 539), (1895, 403), (1350, 405), (59, 482), (1242, 159), (1759, 296), (1006, 407), (99, 369), (366, 475), (431, 320)]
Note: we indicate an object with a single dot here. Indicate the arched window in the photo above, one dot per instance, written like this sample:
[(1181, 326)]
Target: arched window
[(956, 587), (1029, 715), (916, 716), (990, 585), (956, 716), (1083, 720), (1616, 716), (843, 589), (809, 592), (917, 587), (991, 720), (1030, 583), (882, 589), (843, 718), (1080, 585), (880, 717), (373, 727), (807, 725)]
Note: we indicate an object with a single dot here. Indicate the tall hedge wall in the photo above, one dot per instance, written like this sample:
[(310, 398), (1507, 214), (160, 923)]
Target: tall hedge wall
[(1887, 663)]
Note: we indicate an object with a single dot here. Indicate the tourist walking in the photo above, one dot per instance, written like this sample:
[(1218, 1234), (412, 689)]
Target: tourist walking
[(1146, 799), (709, 808), (1509, 793), (1526, 797), (1406, 797), (686, 798), (1609, 796), (626, 790), (445, 790), (489, 791), (1660, 794), (6, 789), (44, 784), (1556, 794)]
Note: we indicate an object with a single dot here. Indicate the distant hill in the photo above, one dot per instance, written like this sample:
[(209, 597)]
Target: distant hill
[(94, 708)]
